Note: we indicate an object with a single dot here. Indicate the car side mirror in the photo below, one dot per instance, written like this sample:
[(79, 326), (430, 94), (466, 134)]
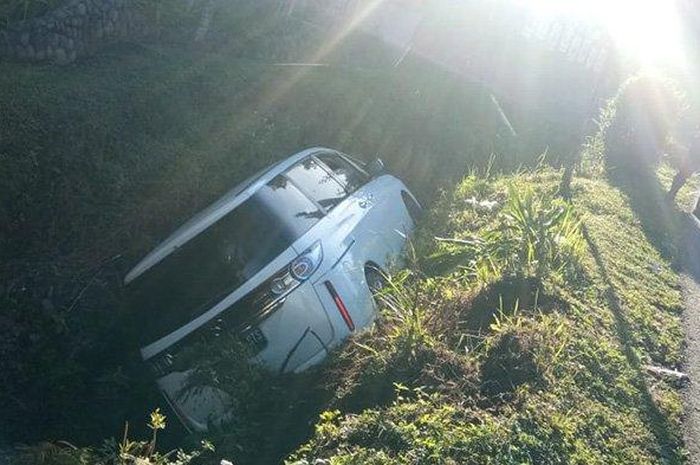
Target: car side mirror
[(376, 167)]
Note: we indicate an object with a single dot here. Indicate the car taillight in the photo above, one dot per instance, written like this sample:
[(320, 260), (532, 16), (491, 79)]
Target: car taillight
[(298, 271), (341, 306)]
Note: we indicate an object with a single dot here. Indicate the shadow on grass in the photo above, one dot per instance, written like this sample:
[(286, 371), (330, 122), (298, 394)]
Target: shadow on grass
[(660, 221), (675, 234), (656, 420)]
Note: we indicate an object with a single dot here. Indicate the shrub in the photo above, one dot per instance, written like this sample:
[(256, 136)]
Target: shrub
[(642, 121)]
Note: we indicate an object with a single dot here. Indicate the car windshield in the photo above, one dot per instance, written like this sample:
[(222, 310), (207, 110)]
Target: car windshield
[(221, 258)]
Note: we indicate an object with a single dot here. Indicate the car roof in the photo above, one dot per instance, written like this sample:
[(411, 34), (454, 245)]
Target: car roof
[(216, 211)]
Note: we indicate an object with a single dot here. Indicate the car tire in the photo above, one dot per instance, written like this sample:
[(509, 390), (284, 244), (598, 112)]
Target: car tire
[(376, 280)]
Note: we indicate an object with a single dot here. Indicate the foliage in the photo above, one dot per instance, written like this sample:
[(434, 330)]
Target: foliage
[(149, 137), (534, 234), (647, 118), (125, 452), (223, 364), (542, 233), (168, 130)]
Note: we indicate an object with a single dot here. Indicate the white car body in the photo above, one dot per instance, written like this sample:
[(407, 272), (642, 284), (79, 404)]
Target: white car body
[(369, 226)]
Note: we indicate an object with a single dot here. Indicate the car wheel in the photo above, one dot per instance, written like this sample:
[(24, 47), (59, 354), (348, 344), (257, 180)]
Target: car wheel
[(376, 281)]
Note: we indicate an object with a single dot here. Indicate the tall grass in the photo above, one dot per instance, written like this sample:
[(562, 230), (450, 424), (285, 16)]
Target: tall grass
[(533, 234)]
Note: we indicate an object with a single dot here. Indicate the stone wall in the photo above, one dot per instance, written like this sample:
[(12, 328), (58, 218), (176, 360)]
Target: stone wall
[(73, 30)]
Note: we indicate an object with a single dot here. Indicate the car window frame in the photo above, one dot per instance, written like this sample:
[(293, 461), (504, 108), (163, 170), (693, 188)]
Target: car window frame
[(304, 191), (363, 173), (329, 171)]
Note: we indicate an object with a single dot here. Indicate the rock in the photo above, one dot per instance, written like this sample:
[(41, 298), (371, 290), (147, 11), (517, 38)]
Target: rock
[(82, 9)]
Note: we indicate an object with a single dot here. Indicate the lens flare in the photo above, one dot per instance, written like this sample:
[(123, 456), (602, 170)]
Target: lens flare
[(648, 31)]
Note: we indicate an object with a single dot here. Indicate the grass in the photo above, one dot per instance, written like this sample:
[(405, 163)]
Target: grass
[(519, 336), (172, 132), (555, 377), (110, 155)]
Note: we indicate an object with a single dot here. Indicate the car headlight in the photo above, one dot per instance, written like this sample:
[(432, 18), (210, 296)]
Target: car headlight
[(299, 270)]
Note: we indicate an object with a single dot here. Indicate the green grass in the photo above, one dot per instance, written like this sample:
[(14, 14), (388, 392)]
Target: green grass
[(556, 367), (519, 339)]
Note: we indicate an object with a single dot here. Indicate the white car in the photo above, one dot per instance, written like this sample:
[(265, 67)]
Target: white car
[(285, 260)]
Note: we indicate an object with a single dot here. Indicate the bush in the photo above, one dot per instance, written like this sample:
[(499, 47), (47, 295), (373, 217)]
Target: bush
[(644, 120)]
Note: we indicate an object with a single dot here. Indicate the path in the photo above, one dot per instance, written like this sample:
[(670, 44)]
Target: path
[(690, 282)]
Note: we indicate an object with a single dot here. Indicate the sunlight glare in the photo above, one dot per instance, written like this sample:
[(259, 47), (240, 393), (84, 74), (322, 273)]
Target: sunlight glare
[(649, 31)]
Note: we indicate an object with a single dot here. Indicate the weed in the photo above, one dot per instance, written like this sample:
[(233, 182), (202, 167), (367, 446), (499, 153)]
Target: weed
[(125, 452)]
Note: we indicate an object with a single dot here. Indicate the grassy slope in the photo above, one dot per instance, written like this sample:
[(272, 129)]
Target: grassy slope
[(147, 137), (145, 133), (105, 157), (572, 386)]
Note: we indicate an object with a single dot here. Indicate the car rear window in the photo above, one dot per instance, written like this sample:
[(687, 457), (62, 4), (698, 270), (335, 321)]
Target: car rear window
[(317, 182), (221, 258), (351, 177)]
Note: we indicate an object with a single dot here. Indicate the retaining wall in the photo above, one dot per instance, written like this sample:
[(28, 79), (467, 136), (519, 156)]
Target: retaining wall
[(76, 29)]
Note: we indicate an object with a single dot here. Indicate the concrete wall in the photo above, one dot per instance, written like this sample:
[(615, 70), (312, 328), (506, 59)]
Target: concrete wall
[(76, 29)]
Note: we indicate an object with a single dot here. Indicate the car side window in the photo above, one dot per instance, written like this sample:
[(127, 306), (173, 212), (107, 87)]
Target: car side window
[(344, 171), (317, 183)]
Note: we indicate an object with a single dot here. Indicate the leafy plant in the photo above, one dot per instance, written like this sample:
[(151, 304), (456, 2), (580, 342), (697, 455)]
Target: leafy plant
[(404, 315), (532, 235), (544, 233), (222, 363), (126, 452)]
